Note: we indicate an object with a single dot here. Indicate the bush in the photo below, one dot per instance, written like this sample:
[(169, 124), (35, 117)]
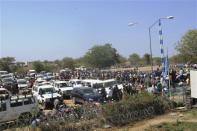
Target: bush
[(135, 107), (161, 105), (62, 126)]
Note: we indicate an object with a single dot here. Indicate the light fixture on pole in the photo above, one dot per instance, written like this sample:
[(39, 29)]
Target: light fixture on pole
[(150, 40), (132, 23)]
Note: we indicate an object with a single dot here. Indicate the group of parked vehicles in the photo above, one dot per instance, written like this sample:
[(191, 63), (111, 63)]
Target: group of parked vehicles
[(19, 96)]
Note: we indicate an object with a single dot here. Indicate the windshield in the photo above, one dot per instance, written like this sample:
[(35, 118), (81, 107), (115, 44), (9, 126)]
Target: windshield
[(7, 80), (47, 90), (6, 76), (100, 85), (78, 82), (22, 82), (110, 84), (87, 91), (64, 85), (49, 74), (3, 92)]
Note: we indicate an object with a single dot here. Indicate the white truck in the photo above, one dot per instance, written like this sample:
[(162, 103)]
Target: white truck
[(20, 108), (76, 82), (46, 95), (193, 83), (64, 88)]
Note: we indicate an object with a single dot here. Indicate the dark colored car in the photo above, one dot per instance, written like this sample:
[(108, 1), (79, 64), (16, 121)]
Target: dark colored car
[(85, 94)]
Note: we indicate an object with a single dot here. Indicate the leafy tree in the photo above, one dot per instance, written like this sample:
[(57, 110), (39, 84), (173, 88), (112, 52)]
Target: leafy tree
[(101, 56), (122, 59), (68, 62), (187, 46), (146, 59), (179, 58), (50, 67), (6, 63), (134, 59), (38, 66), (157, 60), (58, 63), (79, 62)]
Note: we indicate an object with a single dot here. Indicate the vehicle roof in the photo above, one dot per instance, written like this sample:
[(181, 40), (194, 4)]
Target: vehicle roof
[(40, 80), (21, 97), (3, 72), (6, 75), (75, 80), (81, 88), (92, 81), (58, 82), (45, 86), (109, 80), (21, 80), (3, 89), (31, 70)]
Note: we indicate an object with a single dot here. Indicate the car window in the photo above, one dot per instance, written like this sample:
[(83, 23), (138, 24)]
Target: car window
[(15, 103), (47, 90), (88, 91), (63, 85), (29, 101), (22, 82)]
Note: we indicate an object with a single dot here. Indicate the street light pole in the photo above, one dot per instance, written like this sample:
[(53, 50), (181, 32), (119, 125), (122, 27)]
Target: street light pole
[(151, 55), (149, 29)]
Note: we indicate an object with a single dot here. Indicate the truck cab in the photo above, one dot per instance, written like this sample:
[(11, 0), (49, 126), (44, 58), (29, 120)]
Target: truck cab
[(46, 95), (64, 88)]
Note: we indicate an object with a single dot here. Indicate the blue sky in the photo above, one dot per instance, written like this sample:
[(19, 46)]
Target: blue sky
[(53, 29)]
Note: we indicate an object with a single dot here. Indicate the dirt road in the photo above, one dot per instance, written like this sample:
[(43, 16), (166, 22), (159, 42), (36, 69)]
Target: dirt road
[(142, 125)]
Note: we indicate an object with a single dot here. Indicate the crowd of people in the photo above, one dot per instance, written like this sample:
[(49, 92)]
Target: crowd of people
[(133, 81)]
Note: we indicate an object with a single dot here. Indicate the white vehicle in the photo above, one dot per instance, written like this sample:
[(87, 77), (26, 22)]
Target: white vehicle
[(6, 76), (17, 108), (109, 85), (3, 72), (64, 88), (22, 84), (32, 71), (92, 83), (46, 95), (4, 94), (76, 82), (39, 82), (112, 83)]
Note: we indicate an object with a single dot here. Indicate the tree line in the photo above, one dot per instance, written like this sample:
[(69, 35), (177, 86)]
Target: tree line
[(105, 56)]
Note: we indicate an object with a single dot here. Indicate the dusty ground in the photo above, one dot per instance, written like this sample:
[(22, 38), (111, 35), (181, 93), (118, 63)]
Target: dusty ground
[(145, 124)]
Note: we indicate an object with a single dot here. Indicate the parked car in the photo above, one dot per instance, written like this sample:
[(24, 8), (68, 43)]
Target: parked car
[(76, 82), (4, 94), (46, 95), (3, 72), (64, 88), (22, 84), (6, 76), (85, 94), (17, 108)]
